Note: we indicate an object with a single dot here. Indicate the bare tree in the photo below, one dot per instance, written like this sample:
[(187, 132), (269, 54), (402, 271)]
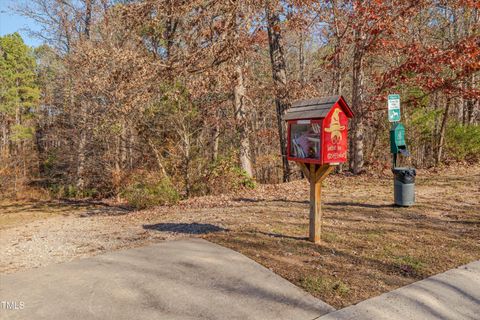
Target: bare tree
[(279, 72)]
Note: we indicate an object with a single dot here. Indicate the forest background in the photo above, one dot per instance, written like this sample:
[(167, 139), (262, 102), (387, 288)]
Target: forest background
[(157, 100)]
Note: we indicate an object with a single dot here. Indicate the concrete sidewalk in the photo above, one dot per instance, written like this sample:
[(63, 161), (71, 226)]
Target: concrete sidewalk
[(184, 279), (453, 295)]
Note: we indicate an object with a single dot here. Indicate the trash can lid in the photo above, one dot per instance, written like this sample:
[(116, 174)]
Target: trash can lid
[(405, 171)]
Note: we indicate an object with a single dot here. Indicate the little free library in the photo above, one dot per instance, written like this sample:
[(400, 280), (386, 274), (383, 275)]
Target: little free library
[(317, 140)]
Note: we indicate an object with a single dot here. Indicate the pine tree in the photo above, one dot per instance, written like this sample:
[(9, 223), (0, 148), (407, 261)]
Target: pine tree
[(19, 96)]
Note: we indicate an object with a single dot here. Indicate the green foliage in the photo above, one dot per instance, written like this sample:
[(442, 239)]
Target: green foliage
[(146, 191), (19, 99), (174, 102), (225, 175), (21, 133), (243, 179), (50, 161), (423, 122), (409, 265), (324, 285), (340, 287), (417, 94), (70, 191), (18, 89), (463, 142)]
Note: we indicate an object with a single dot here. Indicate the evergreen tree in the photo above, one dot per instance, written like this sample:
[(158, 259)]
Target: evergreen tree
[(19, 97), (19, 93)]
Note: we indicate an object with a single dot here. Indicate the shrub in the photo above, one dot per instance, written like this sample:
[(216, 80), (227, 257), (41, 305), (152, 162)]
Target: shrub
[(148, 191), (70, 191), (463, 142), (225, 175), (243, 180)]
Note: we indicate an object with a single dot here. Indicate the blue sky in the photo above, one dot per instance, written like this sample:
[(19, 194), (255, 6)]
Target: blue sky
[(11, 22)]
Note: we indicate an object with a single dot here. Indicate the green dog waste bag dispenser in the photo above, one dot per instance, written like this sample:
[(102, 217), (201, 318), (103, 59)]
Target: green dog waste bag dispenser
[(404, 178)]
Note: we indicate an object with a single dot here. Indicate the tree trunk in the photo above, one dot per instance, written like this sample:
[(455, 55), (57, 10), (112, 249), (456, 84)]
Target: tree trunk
[(187, 146), (337, 72), (5, 143), (88, 17), (83, 111), (301, 58), (356, 147), (242, 123), (471, 103), (359, 147), (337, 69), (279, 72), (170, 29), (215, 140), (82, 148), (158, 157), (337, 64), (443, 127)]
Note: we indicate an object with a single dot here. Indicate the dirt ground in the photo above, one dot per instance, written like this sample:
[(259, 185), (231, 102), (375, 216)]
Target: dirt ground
[(368, 245)]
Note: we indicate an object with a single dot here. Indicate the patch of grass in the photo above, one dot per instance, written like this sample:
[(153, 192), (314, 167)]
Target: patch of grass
[(314, 284), (277, 231), (409, 265), (340, 287), (388, 249), (374, 234), (329, 237), (322, 285)]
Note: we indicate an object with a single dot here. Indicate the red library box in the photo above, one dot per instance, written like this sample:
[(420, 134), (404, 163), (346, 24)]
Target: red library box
[(317, 130)]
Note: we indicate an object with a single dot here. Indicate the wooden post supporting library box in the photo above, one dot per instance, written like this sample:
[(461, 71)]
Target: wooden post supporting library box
[(317, 140)]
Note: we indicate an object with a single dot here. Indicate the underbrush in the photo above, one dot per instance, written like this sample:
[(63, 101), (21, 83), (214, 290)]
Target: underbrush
[(148, 190), (225, 176), (70, 191), (463, 142)]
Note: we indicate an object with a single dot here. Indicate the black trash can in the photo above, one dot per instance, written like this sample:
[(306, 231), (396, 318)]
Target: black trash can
[(404, 186)]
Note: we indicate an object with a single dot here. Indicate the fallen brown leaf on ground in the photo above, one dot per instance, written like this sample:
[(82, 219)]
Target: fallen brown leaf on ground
[(368, 245)]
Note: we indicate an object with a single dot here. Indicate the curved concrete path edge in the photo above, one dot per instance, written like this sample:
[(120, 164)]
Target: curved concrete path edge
[(181, 279), (454, 295)]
